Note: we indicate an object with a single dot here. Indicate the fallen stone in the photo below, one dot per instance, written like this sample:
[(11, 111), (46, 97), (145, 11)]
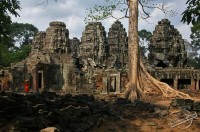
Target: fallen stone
[(151, 124), (50, 129), (196, 106)]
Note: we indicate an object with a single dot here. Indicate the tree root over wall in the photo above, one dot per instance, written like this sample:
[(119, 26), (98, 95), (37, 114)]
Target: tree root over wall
[(146, 84)]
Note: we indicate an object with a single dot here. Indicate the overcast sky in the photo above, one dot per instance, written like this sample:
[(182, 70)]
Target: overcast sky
[(72, 12)]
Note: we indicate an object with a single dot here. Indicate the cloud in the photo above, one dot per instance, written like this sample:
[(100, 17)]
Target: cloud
[(75, 25), (72, 12), (156, 15)]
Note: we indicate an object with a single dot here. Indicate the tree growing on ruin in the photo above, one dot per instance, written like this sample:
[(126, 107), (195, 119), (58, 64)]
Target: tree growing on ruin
[(140, 81)]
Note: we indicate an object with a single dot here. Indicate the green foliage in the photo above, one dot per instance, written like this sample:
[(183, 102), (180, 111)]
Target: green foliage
[(106, 10), (21, 53), (195, 36), (4, 55), (144, 37), (7, 8), (22, 33), (192, 14), (13, 56), (194, 58), (194, 62)]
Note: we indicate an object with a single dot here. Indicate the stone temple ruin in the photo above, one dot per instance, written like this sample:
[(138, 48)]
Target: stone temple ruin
[(57, 62), (167, 47), (168, 57), (99, 62)]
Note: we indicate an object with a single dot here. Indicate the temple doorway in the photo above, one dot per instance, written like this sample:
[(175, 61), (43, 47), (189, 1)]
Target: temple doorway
[(184, 83), (40, 79), (112, 85), (170, 82)]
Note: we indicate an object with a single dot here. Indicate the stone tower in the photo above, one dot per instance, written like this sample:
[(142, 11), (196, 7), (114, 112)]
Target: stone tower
[(57, 38), (74, 47), (39, 41), (93, 43), (118, 45), (167, 47)]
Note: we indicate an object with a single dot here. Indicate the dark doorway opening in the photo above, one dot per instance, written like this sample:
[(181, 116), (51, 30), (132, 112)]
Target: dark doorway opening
[(170, 82), (39, 80), (161, 64), (199, 85), (184, 83)]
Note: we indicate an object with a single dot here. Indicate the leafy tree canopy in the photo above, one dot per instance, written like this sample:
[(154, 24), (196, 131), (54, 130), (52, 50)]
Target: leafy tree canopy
[(13, 56), (192, 13), (108, 7), (22, 33), (195, 36), (144, 38), (7, 8), (194, 58), (144, 34)]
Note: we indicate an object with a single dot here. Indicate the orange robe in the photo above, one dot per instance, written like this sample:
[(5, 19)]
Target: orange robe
[(26, 88)]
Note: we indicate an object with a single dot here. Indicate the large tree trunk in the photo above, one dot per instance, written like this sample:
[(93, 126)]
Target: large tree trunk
[(140, 81), (133, 46)]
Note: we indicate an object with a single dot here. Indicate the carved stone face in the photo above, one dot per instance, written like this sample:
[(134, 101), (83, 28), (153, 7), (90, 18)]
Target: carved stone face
[(166, 45)]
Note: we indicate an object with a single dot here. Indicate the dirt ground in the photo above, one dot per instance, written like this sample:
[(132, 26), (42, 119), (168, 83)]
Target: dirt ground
[(150, 124), (145, 125), (100, 113)]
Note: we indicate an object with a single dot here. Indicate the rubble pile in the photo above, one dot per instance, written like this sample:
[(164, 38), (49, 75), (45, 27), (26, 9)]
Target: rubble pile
[(19, 112), (186, 104)]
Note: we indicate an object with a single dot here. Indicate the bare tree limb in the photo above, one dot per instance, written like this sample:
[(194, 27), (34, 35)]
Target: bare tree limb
[(147, 14)]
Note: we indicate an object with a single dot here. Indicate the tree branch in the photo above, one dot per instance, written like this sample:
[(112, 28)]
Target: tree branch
[(147, 14)]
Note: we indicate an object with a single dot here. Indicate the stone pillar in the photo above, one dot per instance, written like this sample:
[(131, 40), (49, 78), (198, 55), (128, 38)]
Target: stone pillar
[(197, 84), (175, 85), (192, 86), (105, 85), (35, 80), (118, 85)]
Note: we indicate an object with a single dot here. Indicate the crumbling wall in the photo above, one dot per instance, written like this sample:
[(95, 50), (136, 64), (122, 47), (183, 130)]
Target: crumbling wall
[(168, 58), (118, 47), (5, 78), (167, 47), (97, 62), (57, 38), (93, 43), (74, 47)]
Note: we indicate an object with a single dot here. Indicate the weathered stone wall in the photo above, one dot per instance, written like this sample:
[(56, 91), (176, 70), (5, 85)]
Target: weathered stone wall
[(118, 46), (57, 38), (5, 78), (93, 43), (167, 47), (74, 47), (168, 58), (46, 67), (111, 81), (94, 63), (39, 41)]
